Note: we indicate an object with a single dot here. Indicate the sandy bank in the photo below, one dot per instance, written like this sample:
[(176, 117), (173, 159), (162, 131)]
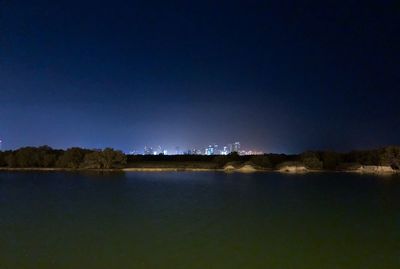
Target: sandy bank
[(293, 169), (247, 168), (376, 169)]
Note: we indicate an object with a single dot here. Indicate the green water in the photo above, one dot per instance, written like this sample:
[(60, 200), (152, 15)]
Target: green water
[(198, 220)]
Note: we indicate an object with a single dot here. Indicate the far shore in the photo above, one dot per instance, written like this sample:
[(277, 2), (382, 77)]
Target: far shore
[(248, 169), (381, 161)]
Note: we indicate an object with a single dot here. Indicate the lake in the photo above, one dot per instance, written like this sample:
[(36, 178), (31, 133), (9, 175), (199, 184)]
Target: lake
[(198, 220)]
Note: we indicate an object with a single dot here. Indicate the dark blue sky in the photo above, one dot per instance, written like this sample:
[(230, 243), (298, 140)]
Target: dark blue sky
[(278, 76)]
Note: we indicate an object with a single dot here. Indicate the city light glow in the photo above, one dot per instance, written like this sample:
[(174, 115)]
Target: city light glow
[(211, 149)]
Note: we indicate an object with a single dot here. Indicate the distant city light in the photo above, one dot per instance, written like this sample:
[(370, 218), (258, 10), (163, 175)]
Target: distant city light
[(211, 149)]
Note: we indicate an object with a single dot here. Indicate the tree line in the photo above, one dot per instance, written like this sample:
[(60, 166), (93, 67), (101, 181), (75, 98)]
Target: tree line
[(72, 158), (331, 160), (79, 158), (315, 160)]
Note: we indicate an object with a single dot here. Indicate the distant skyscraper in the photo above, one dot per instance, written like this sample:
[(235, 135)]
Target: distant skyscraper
[(211, 149), (193, 152), (230, 148), (236, 147), (1, 145), (215, 149)]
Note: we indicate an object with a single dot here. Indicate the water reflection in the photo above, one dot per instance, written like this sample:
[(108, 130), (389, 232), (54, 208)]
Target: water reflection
[(194, 220)]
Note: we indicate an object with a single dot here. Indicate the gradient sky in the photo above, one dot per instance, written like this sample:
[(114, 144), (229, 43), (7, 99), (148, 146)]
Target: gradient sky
[(277, 76)]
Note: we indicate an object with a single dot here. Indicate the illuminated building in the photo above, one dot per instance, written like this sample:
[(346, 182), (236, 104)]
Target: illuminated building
[(236, 147), (211, 149), (224, 151), (148, 151), (193, 152)]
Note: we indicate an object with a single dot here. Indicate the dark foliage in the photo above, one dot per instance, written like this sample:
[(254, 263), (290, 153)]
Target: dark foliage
[(73, 158), (77, 158), (104, 159), (311, 160), (262, 161)]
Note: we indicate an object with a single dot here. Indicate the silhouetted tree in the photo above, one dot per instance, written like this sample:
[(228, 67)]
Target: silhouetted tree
[(112, 158), (27, 157), (72, 158), (221, 160), (311, 160), (11, 160), (262, 161), (92, 160), (106, 159), (330, 160), (233, 156), (390, 156), (49, 160), (3, 159)]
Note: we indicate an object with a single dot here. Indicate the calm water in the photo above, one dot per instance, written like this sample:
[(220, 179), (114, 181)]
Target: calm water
[(198, 220)]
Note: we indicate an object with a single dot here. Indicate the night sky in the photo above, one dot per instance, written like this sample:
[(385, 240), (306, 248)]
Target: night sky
[(277, 76)]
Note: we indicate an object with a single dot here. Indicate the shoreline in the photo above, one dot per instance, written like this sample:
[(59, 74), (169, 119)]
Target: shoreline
[(181, 169)]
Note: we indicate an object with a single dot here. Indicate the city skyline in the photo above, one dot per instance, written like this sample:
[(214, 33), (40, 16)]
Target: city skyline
[(211, 149)]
